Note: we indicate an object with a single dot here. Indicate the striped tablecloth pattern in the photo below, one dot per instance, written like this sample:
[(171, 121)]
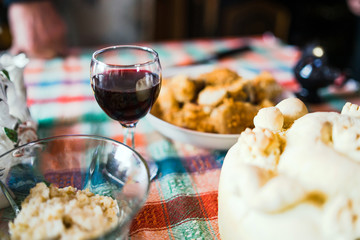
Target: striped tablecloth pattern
[(182, 202)]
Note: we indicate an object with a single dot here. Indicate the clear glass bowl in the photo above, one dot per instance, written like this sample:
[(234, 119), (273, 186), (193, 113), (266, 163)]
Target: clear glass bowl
[(103, 165)]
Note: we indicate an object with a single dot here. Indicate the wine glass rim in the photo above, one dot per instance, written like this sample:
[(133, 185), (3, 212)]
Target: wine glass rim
[(138, 47)]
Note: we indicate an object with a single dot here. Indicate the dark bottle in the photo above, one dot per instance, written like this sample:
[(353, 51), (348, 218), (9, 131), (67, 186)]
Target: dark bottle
[(312, 72)]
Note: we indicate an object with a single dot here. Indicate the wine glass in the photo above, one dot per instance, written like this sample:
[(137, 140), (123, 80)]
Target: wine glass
[(126, 80)]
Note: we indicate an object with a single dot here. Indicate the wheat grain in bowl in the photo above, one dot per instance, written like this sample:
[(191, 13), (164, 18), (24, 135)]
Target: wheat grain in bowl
[(64, 213), (219, 101)]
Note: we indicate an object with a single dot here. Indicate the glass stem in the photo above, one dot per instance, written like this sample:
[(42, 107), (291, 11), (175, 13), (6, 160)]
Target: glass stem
[(129, 129)]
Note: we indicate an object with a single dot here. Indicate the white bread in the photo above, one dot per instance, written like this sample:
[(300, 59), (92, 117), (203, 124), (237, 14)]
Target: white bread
[(298, 183)]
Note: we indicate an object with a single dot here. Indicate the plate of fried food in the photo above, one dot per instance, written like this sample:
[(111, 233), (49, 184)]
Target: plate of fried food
[(208, 106)]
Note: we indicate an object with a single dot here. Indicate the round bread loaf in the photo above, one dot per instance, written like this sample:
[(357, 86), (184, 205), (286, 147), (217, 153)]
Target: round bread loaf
[(298, 183)]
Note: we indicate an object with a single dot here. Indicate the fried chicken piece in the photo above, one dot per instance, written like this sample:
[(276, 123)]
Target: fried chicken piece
[(220, 76), (238, 90), (195, 117), (233, 117), (241, 90), (219, 101), (166, 101), (266, 87), (184, 89), (212, 96)]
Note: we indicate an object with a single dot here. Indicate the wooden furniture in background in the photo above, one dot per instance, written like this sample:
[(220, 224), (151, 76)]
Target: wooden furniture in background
[(255, 17), (181, 19)]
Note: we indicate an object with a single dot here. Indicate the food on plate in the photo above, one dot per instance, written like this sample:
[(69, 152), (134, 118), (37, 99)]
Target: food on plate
[(220, 101), (64, 213), (185, 88), (232, 116), (295, 175), (220, 75)]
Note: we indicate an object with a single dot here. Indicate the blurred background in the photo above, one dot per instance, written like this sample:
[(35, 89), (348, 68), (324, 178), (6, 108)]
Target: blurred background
[(330, 23)]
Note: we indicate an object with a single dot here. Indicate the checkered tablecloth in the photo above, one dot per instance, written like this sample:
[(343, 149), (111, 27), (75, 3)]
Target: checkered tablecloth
[(182, 202)]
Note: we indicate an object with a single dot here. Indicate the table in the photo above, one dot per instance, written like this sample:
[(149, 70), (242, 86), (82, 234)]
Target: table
[(182, 202)]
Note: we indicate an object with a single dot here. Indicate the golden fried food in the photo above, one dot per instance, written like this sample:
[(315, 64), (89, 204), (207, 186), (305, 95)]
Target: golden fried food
[(220, 76), (241, 90), (219, 101), (212, 96), (195, 117), (233, 117), (166, 100), (185, 88), (265, 87)]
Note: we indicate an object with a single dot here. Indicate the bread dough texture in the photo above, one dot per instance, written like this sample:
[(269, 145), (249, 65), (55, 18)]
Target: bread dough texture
[(301, 182)]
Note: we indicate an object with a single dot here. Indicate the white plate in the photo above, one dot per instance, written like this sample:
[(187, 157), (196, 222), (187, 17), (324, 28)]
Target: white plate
[(201, 139)]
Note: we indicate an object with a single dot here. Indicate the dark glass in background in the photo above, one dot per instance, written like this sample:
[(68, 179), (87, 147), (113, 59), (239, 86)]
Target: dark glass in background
[(313, 72), (330, 23)]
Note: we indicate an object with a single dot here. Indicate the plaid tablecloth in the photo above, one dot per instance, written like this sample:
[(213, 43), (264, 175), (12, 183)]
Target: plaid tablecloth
[(182, 202)]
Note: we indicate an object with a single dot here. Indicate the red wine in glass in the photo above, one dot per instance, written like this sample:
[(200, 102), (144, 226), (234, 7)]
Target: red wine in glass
[(126, 80), (126, 95)]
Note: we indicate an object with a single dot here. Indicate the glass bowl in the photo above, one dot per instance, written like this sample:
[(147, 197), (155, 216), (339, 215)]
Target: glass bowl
[(104, 166)]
